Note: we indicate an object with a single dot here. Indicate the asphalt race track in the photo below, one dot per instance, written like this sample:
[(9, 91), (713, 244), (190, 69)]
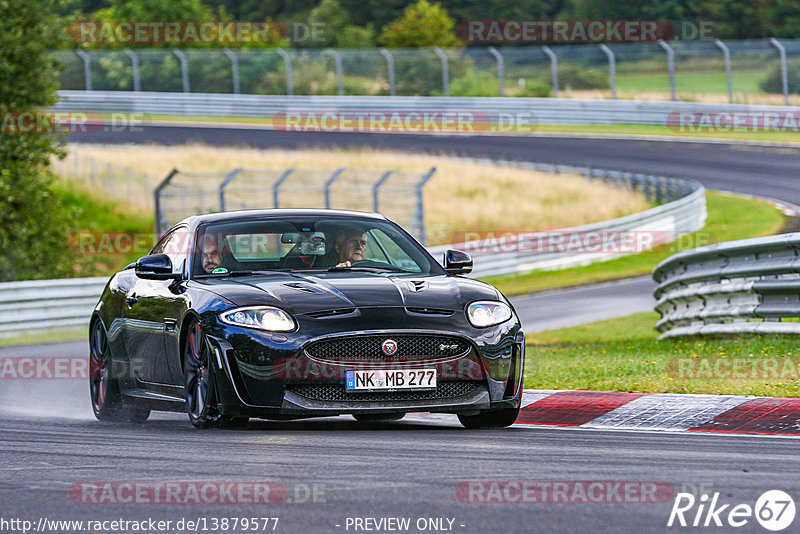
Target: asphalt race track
[(49, 442)]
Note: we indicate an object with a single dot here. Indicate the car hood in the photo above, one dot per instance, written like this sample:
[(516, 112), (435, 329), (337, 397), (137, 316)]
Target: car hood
[(306, 293)]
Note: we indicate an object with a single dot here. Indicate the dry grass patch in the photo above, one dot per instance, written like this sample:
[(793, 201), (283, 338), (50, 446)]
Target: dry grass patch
[(461, 197)]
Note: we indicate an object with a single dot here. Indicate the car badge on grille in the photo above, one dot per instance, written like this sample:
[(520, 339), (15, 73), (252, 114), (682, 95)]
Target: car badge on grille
[(444, 346), (389, 347)]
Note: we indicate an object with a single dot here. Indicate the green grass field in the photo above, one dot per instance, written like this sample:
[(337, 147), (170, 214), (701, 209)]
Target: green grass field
[(729, 218), (624, 355)]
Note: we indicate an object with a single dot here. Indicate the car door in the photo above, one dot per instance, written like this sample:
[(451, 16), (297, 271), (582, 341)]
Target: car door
[(147, 320)]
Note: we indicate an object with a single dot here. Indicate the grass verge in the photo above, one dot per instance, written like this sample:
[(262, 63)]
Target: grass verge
[(729, 218), (625, 355), (50, 336)]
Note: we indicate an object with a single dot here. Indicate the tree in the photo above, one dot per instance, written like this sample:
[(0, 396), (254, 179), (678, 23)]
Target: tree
[(337, 29), (33, 224), (422, 24)]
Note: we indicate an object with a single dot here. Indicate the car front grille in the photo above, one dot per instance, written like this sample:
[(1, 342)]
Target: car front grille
[(368, 347), (337, 393)]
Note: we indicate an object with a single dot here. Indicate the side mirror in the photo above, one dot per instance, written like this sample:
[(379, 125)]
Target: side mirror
[(457, 262), (155, 267)]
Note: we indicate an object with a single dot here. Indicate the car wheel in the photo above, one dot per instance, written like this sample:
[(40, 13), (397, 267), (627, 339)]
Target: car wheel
[(108, 403), (378, 417), (490, 419), (200, 395)]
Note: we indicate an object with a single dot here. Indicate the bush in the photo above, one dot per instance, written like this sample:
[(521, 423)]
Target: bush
[(581, 78), (539, 90), (475, 83), (773, 82)]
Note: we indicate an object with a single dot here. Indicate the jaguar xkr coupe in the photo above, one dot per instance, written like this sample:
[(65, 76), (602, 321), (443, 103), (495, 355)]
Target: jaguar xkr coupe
[(286, 314)]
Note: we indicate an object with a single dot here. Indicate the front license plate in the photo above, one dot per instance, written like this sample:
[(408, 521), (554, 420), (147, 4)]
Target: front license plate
[(381, 380)]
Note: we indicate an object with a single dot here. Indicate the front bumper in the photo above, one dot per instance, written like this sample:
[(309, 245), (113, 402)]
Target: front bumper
[(272, 376)]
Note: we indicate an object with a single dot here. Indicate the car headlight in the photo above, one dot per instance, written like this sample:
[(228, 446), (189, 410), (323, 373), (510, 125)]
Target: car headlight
[(486, 313), (262, 317)]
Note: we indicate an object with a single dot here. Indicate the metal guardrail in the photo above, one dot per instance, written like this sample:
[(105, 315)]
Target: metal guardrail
[(47, 304), (746, 286), (490, 114), (683, 211)]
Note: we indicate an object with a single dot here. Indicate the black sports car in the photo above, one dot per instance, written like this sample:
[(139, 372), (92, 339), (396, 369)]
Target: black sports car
[(284, 314)]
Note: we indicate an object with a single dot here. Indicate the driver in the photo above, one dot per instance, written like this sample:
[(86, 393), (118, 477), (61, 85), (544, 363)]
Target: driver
[(351, 245), (212, 259)]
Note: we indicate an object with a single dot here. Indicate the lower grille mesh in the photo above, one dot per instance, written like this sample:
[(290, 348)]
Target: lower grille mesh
[(337, 393)]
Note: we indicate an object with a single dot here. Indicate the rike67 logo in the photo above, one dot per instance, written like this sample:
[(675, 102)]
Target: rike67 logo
[(774, 510)]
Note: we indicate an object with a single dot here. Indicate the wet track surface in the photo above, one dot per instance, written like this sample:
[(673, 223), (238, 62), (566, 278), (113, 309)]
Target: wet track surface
[(412, 468)]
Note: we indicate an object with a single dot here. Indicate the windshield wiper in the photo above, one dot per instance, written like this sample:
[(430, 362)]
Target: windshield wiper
[(366, 269), (236, 273)]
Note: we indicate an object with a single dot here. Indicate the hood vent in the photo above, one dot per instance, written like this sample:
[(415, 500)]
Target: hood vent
[(430, 311), (417, 285), (332, 313), (307, 288)]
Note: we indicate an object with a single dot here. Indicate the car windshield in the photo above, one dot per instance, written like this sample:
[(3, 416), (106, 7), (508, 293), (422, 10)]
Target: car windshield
[(307, 244)]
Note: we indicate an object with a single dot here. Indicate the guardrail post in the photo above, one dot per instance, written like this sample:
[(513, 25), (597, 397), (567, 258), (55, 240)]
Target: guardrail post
[(419, 215), (612, 69), (376, 188), (670, 65), (726, 54), (87, 68), (184, 68), (501, 73), (390, 67), (328, 185), (553, 68), (137, 85), (337, 59), (234, 69), (287, 63), (278, 184), (445, 70), (784, 74), (157, 199), (228, 179)]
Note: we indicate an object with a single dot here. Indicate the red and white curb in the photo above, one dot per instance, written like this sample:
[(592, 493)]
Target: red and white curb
[(661, 412)]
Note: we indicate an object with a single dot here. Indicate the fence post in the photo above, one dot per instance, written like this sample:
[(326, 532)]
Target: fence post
[(287, 63), (376, 187), (157, 199), (328, 185), (110, 172), (612, 69), (445, 70), (87, 68), (184, 68), (784, 73), (390, 66), (234, 69), (419, 215), (337, 58), (501, 72), (553, 68), (670, 65), (137, 84), (228, 179), (278, 184), (726, 53)]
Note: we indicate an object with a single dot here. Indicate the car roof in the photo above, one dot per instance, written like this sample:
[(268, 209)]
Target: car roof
[(271, 213)]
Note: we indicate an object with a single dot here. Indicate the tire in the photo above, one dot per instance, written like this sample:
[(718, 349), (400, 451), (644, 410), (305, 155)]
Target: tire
[(378, 417), (198, 379), (108, 404), (490, 419)]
